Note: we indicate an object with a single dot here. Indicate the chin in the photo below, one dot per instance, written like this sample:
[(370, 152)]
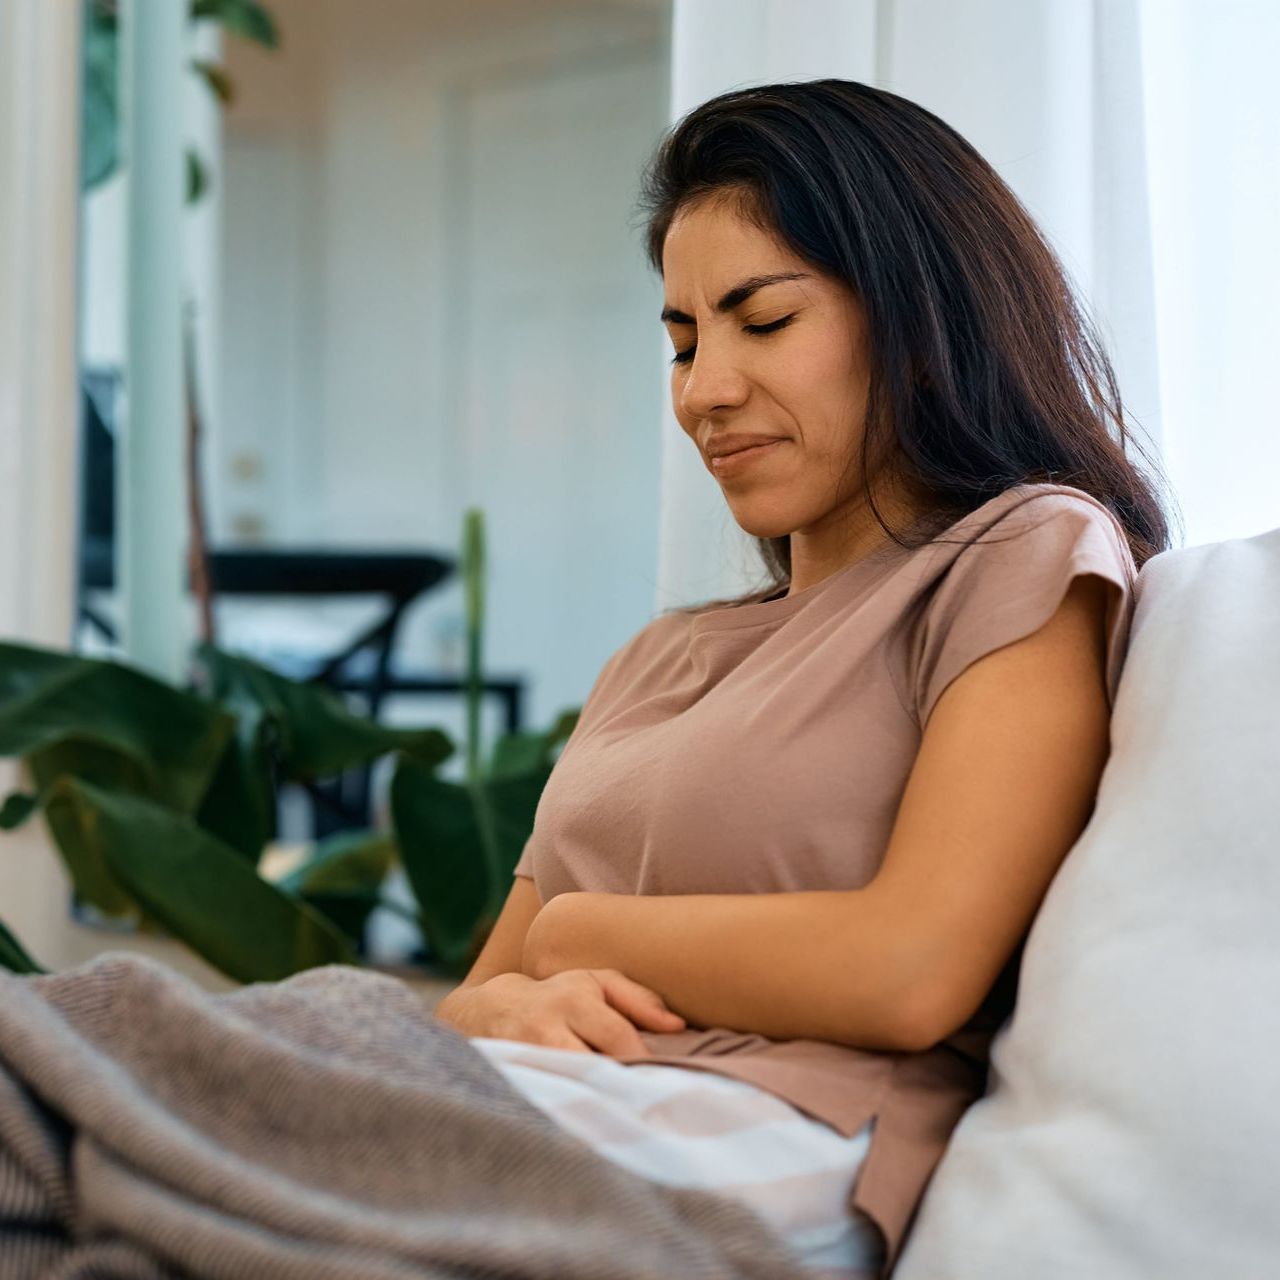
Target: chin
[(753, 519)]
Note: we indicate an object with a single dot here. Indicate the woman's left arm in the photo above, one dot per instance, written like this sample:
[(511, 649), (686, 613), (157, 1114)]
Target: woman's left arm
[(1002, 786)]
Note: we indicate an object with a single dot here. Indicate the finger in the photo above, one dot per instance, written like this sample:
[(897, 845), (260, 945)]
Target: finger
[(561, 1037), (641, 1004), (604, 1028)]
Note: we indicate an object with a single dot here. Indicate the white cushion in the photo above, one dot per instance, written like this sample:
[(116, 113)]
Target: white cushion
[(1131, 1126)]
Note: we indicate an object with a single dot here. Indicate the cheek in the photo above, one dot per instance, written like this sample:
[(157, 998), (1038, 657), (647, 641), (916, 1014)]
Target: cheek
[(825, 361), (687, 423), (826, 380)]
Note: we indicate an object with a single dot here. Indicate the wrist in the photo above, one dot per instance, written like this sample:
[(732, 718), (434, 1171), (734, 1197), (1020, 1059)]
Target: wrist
[(458, 1007)]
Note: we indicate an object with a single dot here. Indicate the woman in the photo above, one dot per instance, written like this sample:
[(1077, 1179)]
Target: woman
[(797, 838)]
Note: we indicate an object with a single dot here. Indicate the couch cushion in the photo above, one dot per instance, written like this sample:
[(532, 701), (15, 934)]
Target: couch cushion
[(1131, 1125)]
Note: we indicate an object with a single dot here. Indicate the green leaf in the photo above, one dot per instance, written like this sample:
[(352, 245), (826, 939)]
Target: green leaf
[(349, 862), (473, 580), (343, 876), (17, 808), (110, 723), (13, 957), (94, 761), (216, 78), (197, 177), (515, 753), (200, 890), (444, 859), (99, 140), (81, 850), (244, 18), (312, 734), (100, 59), (240, 805), (458, 845)]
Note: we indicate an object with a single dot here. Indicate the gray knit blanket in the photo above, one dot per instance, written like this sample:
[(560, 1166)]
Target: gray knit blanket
[(323, 1126)]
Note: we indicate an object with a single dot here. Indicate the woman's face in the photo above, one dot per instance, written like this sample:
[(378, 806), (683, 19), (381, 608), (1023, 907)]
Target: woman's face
[(784, 361)]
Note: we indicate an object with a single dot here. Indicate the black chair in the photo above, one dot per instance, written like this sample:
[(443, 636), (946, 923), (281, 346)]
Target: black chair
[(364, 666)]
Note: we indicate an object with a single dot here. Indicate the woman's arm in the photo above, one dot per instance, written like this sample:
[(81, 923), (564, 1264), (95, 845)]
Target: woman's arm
[(775, 963), (1003, 785), (504, 948)]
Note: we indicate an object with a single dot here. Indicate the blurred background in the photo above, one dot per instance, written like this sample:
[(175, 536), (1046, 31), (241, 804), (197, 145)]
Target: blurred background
[(307, 279), (413, 287)]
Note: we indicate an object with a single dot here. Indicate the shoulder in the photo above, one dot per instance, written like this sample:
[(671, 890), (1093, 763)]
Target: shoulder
[(1003, 571), (653, 639), (646, 650), (1024, 538), (1041, 512)]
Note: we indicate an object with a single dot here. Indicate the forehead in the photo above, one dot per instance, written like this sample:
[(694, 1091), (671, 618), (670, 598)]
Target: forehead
[(712, 238)]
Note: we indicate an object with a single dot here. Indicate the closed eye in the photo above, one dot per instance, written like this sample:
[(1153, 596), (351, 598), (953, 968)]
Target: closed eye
[(683, 357)]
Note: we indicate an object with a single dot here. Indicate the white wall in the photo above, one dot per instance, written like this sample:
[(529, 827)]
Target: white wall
[(370, 342)]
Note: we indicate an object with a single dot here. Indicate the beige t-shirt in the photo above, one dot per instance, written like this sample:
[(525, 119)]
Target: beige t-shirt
[(764, 748)]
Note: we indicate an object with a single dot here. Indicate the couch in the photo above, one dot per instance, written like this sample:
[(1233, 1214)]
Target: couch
[(1131, 1122)]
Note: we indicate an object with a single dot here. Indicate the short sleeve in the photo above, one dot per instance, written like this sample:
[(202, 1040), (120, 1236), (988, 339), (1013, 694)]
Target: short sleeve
[(1011, 582), (524, 865)]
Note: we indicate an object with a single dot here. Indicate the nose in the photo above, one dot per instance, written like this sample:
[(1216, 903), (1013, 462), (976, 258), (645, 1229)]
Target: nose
[(714, 381)]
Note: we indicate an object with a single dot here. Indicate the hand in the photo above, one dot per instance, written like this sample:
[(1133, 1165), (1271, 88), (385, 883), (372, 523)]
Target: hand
[(585, 1010)]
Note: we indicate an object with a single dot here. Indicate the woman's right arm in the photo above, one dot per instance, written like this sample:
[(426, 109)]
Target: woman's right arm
[(578, 1009), (503, 951)]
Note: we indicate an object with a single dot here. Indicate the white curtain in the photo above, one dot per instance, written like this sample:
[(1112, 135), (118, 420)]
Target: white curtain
[(1139, 133), (1213, 135)]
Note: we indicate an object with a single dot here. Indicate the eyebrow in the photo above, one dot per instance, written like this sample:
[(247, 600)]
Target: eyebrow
[(736, 296)]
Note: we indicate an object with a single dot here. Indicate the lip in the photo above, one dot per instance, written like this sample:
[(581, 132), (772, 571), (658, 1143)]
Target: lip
[(739, 459), (726, 442)]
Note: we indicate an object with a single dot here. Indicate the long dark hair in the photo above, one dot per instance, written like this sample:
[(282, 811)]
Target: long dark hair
[(985, 371)]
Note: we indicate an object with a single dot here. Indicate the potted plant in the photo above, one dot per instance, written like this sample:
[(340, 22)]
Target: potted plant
[(162, 800)]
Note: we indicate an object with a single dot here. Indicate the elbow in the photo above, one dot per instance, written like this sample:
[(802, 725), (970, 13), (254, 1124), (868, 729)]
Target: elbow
[(923, 1013), (914, 1030), (931, 993), (897, 1021), (535, 959), (550, 937), (929, 1013)]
